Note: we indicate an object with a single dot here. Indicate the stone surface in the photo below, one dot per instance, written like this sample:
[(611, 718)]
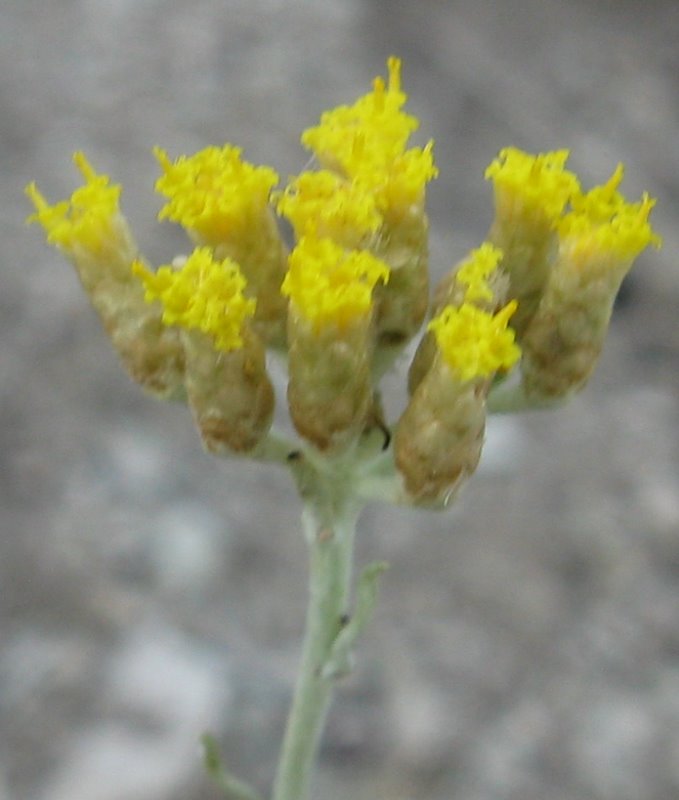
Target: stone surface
[(526, 643)]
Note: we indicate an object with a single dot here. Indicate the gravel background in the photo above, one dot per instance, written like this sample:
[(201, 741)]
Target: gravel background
[(527, 643)]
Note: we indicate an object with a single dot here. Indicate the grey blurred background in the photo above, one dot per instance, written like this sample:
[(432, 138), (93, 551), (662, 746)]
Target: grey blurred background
[(527, 642)]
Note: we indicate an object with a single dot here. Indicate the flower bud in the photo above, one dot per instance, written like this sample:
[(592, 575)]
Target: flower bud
[(327, 205), (439, 437), (401, 304), (531, 193), (90, 230), (229, 392), (330, 335), (227, 385), (223, 201), (598, 242), (476, 280), (366, 143)]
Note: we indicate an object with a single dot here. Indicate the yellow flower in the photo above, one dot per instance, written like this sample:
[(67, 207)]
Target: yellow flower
[(374, 125), (88, 220), (398, 183), (214, 194), (603, 226), (532, 185), (601, 202), (367, 143), (330, 285), (475, 343), (204, 294), (531, 193), (475, 271), (325, 204)]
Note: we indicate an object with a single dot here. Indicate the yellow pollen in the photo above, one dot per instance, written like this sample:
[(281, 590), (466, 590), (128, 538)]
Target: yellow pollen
[(603, 225), (202, 294), (533, 183), (474, 343), (479, 265), (376, 119), (214, 193), (86, 219), (329, 285), (601, 202), (366, 142), (400, 182), (328, 205)]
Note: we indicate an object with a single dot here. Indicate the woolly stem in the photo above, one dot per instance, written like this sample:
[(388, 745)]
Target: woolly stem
[(329, 522)]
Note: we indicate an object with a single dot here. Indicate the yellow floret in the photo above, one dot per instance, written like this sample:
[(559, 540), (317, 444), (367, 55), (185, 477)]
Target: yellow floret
[(475, 271), (326, 204), (399, 182), (533, 183), (475, 343), (604, 225), (601, 202), (214, 193), (374, 125), (366, 142), (329, 285), (87, 219), (204, 294)]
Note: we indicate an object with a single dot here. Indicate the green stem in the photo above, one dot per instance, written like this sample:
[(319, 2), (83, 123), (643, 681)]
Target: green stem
[(230, 785), (329, 521)]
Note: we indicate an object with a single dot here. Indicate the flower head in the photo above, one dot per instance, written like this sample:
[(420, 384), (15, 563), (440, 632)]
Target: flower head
[(374, 127), (203, 294), (475, 343), (534, 186), (399, 182), (214, 194), (87, 220), (603, 226), (327, 205), (367, 143), (475, 271), (329, 285)]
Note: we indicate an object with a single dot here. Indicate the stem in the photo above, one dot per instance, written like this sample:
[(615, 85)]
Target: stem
[(229, 784), (329, 521)]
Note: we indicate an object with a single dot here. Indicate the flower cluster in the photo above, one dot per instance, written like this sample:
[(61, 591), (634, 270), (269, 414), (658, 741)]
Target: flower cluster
[(565, 258), (528, 309)]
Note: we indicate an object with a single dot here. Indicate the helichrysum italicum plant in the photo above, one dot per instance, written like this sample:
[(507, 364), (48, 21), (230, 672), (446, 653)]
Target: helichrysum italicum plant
[(518, 323)]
